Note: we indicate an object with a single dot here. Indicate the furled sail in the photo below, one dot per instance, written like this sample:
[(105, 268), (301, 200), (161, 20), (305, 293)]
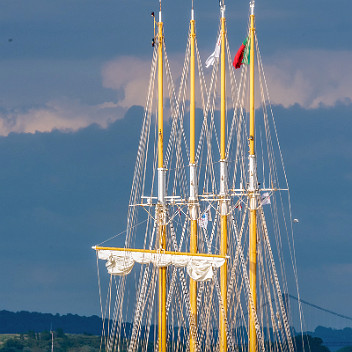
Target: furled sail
[(121, 261)]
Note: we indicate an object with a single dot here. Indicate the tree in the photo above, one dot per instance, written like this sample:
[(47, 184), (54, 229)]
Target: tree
[(60, 333), (31, 335), (345, 349), (45, 335), (309, 343), (12, 345)]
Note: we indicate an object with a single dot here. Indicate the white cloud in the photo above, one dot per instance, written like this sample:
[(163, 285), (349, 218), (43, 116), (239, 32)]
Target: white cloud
[(65, 115), (130, 76), (310, 78), (305, 77)]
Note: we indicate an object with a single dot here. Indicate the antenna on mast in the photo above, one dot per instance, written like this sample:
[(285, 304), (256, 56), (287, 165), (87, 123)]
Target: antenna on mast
[(222, 4), (153, 40), (222, 8), (52, 337)]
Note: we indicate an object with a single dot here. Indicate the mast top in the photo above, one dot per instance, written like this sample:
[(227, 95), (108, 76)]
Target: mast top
[(222, 10), (160, 11), (252, 5)]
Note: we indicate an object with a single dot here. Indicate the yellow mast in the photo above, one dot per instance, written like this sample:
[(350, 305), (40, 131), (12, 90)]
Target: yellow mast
[(223, 192), (193, 191), (161, 215), (253, 185)]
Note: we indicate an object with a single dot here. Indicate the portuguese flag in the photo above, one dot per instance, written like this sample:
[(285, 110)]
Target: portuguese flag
[(242, 56)]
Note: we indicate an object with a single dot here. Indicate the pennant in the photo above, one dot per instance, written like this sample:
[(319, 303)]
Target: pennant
[(266, 198), (215, 55), (242, 56)]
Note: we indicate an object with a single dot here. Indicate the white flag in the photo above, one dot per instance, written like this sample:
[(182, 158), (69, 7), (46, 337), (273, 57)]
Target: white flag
[(203, 221), (266, 198), (211, 59)]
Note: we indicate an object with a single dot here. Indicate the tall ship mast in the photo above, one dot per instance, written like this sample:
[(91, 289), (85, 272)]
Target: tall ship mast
[(203, 264)]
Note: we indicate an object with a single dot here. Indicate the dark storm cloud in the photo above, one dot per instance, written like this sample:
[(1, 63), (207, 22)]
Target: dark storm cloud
[(87, 29), (317, 150), (63, 192), (61, 195)]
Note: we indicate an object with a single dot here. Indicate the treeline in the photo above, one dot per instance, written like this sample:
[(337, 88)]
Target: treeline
[(40, 323), (334, 338), (22, 322), (42, 342)]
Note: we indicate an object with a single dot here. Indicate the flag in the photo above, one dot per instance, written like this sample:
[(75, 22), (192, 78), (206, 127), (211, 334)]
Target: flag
[(208, 211), (203, 221), (211, 59), (266, 198), (242, 56)]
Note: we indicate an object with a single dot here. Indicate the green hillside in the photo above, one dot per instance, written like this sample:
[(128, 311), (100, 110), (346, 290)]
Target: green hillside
[(41, 342)]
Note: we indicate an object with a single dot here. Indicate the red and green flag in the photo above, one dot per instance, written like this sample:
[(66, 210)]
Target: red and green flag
[(242, 56)]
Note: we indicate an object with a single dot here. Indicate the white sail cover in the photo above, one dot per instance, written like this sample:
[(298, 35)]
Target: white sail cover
[(199, 268)]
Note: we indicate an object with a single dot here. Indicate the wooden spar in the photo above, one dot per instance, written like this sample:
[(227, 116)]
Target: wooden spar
[(253, 185), (155, 251), (160, 97), (223, 193), (161, 194), (193, 192)]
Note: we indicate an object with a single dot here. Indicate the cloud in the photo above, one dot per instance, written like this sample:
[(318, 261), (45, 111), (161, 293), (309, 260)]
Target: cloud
[(129, 76), (126, 78), (310, 78), (64, 114)]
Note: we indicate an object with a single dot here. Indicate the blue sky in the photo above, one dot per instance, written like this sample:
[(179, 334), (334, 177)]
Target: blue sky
[(69, 77)]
